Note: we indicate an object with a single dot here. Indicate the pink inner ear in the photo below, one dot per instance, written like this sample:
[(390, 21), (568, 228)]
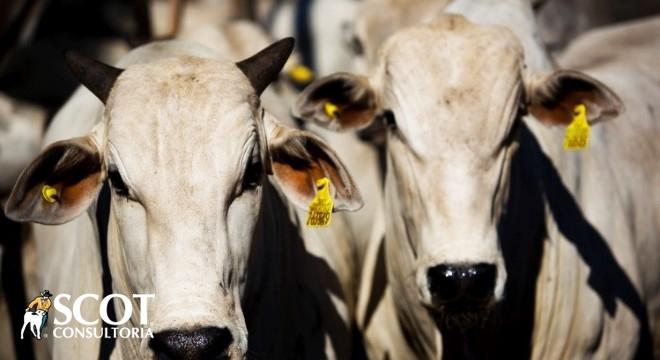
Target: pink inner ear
[(295, 182), (77, 193), (573, 88), (302, 182), (560, 111)]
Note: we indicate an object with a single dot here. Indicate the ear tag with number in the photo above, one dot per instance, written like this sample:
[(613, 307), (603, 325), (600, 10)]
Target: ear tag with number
[(320, 209), (577, 132), (331, 110), (49, 194)]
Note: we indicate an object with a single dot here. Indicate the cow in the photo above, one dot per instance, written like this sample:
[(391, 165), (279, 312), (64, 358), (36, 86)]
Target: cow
[(376, 20), (558, 27), (204, 186), (21, 130), (499, 244)]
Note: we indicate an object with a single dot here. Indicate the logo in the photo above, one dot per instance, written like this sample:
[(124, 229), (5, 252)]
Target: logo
[(36, 314), (36, 317)]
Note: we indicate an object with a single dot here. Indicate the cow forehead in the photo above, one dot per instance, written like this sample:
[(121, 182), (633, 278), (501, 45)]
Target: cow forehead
[(179, 121), (452, 82)]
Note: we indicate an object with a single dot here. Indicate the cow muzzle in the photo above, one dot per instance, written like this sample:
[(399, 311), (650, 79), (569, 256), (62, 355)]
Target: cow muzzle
[(462, 288), (203, 343)]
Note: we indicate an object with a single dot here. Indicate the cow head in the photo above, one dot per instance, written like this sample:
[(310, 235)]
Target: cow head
[(185, 147), (451, 96)]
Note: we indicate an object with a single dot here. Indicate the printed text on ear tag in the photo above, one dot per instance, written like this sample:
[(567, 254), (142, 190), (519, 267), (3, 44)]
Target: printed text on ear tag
[(49, 194), (320, 209), (301, 74), (331, 109), (577, 132)]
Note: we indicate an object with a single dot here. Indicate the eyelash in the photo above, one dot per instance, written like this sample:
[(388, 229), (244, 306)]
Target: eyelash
[(117, 183), (252, 175), (389, 120)]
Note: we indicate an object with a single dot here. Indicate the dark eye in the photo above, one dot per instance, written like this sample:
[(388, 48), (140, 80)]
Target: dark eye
[(389, 119), (513, 133), (252, 176), (117, 183)]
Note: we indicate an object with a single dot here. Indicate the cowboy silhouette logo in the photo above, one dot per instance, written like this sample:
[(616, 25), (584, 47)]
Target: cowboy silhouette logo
[(36, 314)]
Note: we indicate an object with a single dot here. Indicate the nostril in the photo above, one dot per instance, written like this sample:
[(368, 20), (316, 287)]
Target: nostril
[(465, 284), (203, 343), (479, 281), (444, 283)]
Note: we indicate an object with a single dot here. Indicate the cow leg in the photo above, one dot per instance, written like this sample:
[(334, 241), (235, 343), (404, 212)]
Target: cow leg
[(25, 323)]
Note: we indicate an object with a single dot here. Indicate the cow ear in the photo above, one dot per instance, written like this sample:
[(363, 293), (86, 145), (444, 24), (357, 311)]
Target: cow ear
[(59, 184), (341, 101), (299, 158), (553, 99)]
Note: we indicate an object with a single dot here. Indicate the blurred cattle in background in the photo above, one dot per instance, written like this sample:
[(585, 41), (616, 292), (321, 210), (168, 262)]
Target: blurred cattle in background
[(21, 130), (33, 36), (321, 29), (561, 21), (498, 243), (376, 20)]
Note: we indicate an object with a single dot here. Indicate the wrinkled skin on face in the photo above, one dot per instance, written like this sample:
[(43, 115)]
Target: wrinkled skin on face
[(449, 152), (174, 229)]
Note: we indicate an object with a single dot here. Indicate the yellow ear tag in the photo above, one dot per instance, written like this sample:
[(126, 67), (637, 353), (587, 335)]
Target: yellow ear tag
[(49, 194), (577, 132), (301, 74), (320, 209), (331, 110)]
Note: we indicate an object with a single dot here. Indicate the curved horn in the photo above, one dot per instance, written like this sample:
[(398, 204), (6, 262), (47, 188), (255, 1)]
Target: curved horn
[(263, 67), (94, 75)]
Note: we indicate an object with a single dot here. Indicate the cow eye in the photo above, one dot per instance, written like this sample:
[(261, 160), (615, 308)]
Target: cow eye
[(117, 183), (253, 172), (390, 120)]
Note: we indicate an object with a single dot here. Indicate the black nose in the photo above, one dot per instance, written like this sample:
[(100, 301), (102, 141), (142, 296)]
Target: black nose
[(468, 285), (204, 343)]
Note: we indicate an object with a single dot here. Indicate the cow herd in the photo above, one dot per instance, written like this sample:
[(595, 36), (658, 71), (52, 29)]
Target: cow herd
[(461, 228)]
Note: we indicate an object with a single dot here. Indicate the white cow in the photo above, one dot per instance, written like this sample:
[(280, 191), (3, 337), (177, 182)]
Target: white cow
[(194, 218), (497, 242)]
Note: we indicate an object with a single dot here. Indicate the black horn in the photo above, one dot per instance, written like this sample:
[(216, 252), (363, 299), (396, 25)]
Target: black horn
[(94, 75), (263, 67)]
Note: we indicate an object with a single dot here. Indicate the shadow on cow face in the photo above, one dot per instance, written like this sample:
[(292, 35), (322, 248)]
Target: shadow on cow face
[(185, 147), (451, 120)]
